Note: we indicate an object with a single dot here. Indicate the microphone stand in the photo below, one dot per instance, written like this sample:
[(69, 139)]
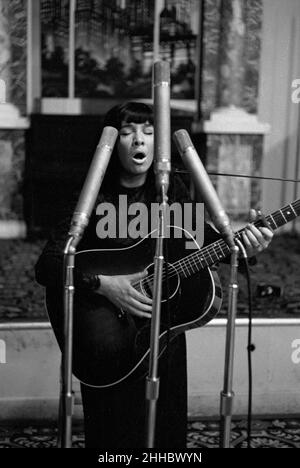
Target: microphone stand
[(222, 223), (66, 403), (162, 153), (80, 221), (227, 394), (152, 380)]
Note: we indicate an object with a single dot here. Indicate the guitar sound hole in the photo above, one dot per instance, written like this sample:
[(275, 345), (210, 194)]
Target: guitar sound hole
[(174, 282)]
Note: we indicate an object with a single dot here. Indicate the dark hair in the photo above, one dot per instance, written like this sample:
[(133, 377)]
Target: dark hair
[(135, 112)]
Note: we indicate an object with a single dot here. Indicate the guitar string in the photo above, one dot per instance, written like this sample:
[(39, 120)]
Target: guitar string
[(219, 245), (185, 262), (220, 242)]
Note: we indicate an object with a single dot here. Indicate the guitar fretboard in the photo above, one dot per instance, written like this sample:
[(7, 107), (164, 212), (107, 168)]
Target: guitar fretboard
[(219, 250)]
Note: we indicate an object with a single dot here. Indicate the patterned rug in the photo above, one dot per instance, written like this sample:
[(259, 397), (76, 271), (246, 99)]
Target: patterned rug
[(279, 433), (283, 433)]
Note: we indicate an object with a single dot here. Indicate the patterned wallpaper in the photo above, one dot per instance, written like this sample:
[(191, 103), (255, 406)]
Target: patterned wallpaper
[(17, 14), (243, 156), (254, 14), (12, 142), (12, 146), (12, 158), (216, 15)]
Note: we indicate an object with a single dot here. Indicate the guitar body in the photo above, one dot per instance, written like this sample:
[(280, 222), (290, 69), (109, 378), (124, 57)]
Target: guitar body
[(109, 346)]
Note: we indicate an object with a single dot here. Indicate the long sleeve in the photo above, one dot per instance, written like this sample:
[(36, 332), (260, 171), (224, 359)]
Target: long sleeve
[(210, 234), (49, 268)]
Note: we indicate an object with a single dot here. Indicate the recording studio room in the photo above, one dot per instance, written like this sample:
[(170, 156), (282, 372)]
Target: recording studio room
[(185, 113)]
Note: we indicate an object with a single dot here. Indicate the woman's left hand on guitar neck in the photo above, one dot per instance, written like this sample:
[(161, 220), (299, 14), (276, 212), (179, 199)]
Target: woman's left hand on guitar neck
[(256, 239)]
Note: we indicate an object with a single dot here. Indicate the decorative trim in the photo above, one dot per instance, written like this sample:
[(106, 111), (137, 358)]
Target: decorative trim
[(75, 106), (13, 326), (232, 120), (12, 229), (258, 322), (80, 106), (216, 322), (63, 106), (10, 117), (21, 123)]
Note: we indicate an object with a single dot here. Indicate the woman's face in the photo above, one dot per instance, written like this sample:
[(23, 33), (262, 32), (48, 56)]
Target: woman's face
[(135, 150)]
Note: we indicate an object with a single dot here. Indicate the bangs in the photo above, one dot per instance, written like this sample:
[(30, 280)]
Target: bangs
[(138, 113), (131, 112)]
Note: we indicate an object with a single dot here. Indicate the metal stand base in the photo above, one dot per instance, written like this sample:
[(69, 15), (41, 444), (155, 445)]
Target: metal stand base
[(227, 395)]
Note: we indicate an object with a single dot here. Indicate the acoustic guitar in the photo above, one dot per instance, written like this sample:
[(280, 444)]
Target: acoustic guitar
[(111, 346)]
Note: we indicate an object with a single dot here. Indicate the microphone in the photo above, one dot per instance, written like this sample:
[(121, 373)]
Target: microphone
[(200, 177), (93, 182), (162, 126)]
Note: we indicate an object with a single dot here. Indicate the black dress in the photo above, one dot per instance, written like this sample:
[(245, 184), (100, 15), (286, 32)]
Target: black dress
[(114, 417)]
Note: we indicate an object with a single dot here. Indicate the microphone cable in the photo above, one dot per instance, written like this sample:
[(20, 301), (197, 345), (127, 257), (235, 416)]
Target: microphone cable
[(250, 349), (250, 345), (243, 176), (168, 327)]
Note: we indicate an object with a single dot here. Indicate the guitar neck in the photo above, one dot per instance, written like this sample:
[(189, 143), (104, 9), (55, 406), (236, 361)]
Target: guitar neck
[(219, 250)]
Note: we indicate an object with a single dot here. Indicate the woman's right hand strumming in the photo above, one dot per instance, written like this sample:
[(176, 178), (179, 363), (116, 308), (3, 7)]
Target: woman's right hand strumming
[(120, 291)]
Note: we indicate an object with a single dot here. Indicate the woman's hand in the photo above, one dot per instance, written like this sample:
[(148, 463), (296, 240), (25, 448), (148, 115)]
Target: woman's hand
[(256, 239), (120, 291)]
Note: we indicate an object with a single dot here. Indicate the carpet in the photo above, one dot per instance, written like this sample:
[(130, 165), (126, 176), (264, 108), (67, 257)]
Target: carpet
[(266, 433), (21, 298)]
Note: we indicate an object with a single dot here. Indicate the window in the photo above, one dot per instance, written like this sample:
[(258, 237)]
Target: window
[(113, 49)]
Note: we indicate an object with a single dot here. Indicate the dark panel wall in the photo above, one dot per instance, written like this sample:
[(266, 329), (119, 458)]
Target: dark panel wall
[(59, 150)]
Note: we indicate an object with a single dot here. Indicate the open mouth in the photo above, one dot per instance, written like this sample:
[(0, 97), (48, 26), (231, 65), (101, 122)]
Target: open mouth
[(139, 157)]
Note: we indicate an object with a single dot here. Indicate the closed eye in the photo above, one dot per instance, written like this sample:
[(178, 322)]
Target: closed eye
[(149, 130), (125, 131)]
